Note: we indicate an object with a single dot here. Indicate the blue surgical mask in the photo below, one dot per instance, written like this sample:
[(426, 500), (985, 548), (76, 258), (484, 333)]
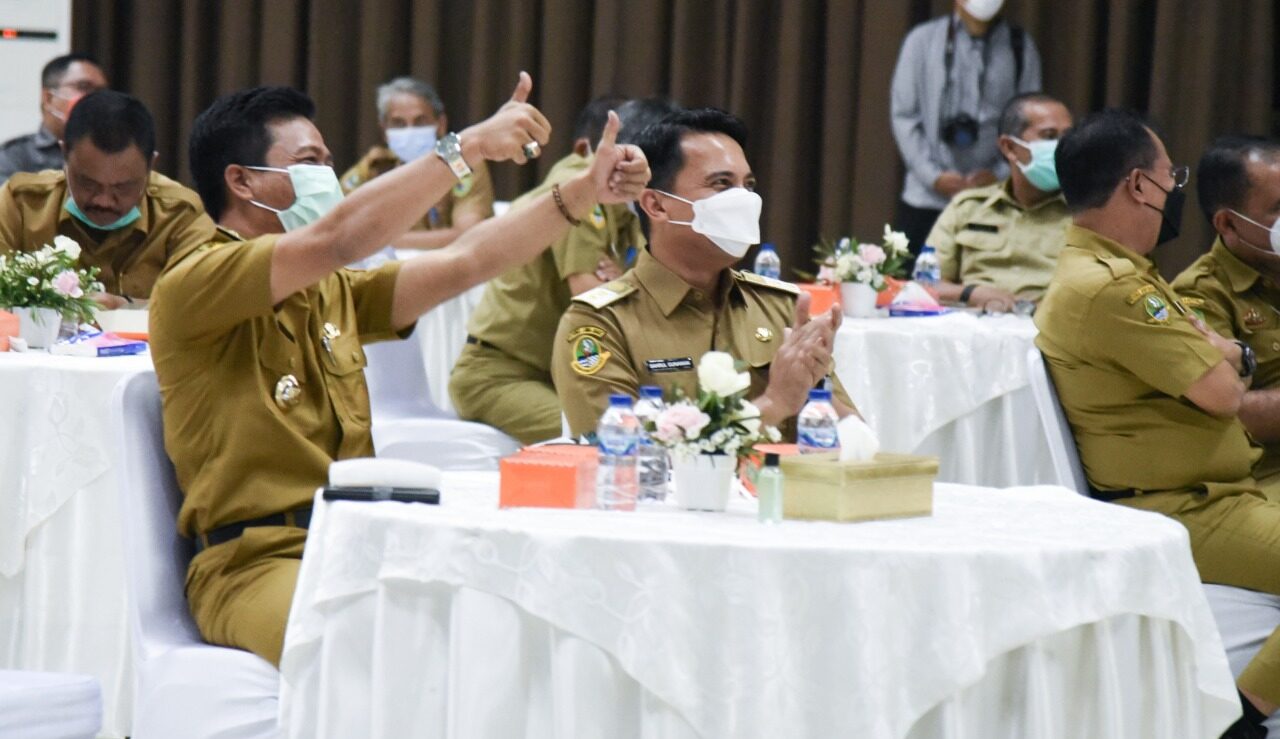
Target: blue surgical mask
[(315, 192), (121, 222), (1041, 171), (411, 143)]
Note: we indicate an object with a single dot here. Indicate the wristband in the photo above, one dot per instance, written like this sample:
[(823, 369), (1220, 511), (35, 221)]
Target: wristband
[(564, 210), (966, 292)]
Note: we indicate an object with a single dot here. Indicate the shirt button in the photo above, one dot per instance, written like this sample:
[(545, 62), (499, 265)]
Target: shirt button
[(1275, 346)]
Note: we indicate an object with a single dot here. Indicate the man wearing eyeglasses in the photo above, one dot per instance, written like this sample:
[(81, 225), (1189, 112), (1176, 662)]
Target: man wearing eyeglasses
[(63, 81), (1152, 393), (1235, 285)]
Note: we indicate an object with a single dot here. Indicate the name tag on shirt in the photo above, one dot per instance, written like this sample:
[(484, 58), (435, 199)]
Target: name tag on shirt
[(983, 227), (681, 364)]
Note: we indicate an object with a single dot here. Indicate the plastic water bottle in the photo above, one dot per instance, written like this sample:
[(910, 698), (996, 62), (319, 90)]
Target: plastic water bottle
[(767, 263), (816, 426), (652, 459), (619, 438), (927, 272)]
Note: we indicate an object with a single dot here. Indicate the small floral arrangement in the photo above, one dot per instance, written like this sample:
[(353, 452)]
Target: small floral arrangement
[(720, 421), (866, 263), (50, 278)]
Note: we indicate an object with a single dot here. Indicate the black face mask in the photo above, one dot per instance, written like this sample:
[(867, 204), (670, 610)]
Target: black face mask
[(1171, 215)]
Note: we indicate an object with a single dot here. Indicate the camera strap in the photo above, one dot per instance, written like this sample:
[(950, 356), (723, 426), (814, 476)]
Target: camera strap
[(1017, 41)]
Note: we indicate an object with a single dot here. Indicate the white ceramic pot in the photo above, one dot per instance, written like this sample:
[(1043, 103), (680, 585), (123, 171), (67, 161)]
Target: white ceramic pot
[(858, 300), (703, 481), (38, 326)]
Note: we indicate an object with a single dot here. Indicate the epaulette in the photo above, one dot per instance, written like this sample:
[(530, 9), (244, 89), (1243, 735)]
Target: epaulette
[(606, 294), (769, 282), (1119, 266)]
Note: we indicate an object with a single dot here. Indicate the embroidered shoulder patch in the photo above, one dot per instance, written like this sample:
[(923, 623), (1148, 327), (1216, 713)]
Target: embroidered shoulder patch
[(588, 357), (606, 294), (597, 217), (464, 187), (1136, 295)]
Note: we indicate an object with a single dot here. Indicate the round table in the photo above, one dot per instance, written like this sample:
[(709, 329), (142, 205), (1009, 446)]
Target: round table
[(62, 581), (1023, 612), (954, 386)]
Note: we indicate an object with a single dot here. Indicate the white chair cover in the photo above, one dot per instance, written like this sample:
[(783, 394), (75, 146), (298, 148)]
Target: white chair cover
[(185, 687), (407, 424), (49, 705)]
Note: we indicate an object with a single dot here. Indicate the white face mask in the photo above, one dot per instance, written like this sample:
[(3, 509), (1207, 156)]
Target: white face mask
[(730, 218), (1272, 230), (411, 143), (983, 10)]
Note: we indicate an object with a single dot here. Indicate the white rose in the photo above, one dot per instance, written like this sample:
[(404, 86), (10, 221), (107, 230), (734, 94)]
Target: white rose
[(895, 241), (66, 245), (749, 417), (717, 375)]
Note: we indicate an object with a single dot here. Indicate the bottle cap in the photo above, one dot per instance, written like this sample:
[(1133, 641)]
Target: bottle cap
[(771, 459), (927, 248), (767, 245), (620, 399), (819, 394), (651, 391)]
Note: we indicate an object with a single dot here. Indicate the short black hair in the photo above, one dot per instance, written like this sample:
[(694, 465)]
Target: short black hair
[(1013, 119), (1100, 151), (591, 119), (640, 113), (660, 141), (1222, 178), (112, 121), (53, 72), (234, 131)]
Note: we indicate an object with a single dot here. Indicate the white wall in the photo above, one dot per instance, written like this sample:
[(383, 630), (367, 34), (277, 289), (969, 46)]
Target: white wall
[(21, 59)]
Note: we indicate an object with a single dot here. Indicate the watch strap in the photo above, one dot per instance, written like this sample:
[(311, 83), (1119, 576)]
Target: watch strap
[(966, 293), (449, 149)]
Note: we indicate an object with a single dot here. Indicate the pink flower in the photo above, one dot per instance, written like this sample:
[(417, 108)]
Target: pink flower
[(870, 255), (680, 421), (67, 282)]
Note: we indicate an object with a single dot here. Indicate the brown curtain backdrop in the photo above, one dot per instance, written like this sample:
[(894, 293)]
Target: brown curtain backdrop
[(810, 77)]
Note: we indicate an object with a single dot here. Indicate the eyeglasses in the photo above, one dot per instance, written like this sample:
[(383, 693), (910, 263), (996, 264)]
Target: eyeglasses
[(84, 87), (1180, 176)]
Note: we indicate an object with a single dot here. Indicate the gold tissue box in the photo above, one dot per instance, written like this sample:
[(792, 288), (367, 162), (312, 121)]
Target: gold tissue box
[(821, 487)]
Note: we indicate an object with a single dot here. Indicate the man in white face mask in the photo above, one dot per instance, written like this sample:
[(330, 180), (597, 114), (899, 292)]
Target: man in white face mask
[(412, 118), (257, 335), (682, 298), (1234, 284)]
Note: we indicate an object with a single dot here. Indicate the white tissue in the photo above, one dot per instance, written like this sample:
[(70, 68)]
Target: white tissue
[(858, 443), (914, 294)]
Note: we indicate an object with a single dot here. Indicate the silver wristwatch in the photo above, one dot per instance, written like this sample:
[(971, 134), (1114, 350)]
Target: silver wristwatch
[(449, 148)]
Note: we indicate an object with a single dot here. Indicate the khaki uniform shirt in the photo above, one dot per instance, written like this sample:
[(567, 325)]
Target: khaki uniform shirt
[(1122, 353), (1238, 302), (31, 153), (173, 221), (259, 399), (522, 307), (985, 237), (649, 327), (473, 196)]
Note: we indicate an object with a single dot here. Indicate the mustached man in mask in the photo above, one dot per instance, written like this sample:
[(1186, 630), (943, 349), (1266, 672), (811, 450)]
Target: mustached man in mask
[(412, 119), (1235, 287), (683, 298), (1000, 243), (63, 81), (953, 78), (257, 335), (128, 219), (1151, 392)]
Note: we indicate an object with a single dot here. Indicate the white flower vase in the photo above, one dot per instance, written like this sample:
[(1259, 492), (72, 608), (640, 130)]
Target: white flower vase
[(38, 326), (858, 300), (703, 481)]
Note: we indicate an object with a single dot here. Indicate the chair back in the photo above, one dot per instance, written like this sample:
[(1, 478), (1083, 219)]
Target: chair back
[(397, 380), (1053, 421), (156, 556)]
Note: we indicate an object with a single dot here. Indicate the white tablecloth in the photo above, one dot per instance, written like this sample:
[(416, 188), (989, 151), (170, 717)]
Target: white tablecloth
[(954, 386), (442, 332), (460, 620), (62, 581)]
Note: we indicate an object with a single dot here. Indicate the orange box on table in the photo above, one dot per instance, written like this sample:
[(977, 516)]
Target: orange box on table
[(552, 476)]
